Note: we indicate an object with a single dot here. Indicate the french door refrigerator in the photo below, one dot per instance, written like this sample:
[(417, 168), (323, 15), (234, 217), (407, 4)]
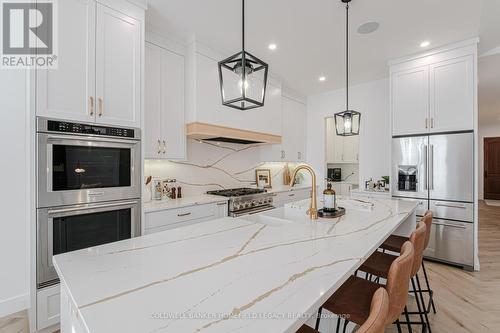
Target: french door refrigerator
[(438, 171)]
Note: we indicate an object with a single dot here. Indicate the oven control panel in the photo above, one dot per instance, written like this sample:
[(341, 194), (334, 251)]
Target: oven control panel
[(67, 127)]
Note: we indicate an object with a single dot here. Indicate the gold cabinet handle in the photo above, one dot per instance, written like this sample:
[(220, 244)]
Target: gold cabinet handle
[(164, 147), (432, 122), (91, 105), (426, 123), (159, 146), (101, 107)]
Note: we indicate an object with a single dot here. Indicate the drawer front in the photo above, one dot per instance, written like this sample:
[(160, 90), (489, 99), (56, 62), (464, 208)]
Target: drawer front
[(452, 241), (48, 307), (453, 210), (423, 205), (149, 231), (283, 198), (180, 215)]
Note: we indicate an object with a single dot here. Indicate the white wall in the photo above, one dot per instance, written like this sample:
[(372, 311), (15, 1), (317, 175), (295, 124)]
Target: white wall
[(485, 131), (14, 246), (372, 100)]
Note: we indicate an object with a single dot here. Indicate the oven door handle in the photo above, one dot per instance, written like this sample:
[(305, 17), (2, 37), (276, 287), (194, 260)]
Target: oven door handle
[(62, 138), (52, 212)]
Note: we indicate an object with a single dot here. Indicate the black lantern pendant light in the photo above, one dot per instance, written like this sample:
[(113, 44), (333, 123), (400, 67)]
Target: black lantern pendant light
[(347, 122), (243, 78)]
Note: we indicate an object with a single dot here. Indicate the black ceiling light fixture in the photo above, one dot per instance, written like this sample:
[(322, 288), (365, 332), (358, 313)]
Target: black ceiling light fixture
[(347, 122), (243, 77)]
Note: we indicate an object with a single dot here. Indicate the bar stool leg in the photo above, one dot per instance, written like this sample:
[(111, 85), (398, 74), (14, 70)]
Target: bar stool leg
[(338, 325), (417, 299), (345, 325), (400, 330), (318, 318), (407, 317), (422, 301), (431, 293)]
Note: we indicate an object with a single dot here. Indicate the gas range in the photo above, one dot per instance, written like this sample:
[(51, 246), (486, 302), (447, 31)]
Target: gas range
[(246, 201)]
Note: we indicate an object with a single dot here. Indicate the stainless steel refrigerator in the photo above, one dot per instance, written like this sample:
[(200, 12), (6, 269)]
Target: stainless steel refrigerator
[(438, 172)]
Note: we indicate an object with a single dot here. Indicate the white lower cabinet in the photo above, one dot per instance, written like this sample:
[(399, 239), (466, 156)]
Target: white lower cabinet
[(342, 189), (48, 307), (283, 198), (179, 217)]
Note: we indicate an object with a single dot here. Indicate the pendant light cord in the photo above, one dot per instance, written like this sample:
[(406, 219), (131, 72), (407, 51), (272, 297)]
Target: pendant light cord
[(347, 55), (243, 25)]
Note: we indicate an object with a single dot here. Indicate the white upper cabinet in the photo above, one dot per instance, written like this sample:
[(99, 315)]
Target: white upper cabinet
[(207, 102), (294, 130), (165, 136), (340, 149), (118, 68), (99, 65), (452, 95), (435, 92), (68, 92), (410, 101)]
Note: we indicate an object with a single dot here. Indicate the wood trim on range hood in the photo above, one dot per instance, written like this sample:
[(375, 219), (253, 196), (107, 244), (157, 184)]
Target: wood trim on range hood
[(202, 131)]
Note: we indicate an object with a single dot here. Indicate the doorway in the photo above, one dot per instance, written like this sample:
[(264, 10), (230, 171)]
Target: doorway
[(492, 168)]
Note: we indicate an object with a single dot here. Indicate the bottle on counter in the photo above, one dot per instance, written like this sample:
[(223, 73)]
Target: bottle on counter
[(329, 198)]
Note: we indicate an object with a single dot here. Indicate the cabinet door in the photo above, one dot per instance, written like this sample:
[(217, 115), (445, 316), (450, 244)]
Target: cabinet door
[(329, 137), (294, 130), (338, 147), (452, 95), (69, 91), (152, 126), (351, 148), (410, 101), (118, 68), (173, 138)]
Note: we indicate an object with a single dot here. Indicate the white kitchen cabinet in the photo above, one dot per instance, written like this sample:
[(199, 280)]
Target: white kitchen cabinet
[(282, 198), (342, 188), (452, 95), (293, 145), (69, 91), (178, 217), (410, 101), (435, 92), (48, 307), (165, 136), (98, 78), (118, 68), (340, 149), (350, 149), (206, 104)]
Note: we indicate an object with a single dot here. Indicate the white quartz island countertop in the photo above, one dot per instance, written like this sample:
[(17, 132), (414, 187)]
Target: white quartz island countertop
[(262, 273)]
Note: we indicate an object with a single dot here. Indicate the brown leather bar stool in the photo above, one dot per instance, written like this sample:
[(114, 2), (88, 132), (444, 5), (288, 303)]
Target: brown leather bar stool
[(376, 320), (353, 298), (379, 264), (393, 243)]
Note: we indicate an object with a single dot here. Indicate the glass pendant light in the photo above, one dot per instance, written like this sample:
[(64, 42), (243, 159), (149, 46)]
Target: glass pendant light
[(243, 77), (347, 122)]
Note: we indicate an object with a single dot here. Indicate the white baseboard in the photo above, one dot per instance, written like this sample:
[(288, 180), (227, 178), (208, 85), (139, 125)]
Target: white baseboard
[(14, 304)]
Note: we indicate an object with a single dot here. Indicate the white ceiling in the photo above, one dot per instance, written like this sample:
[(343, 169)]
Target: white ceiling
[(310, 34)]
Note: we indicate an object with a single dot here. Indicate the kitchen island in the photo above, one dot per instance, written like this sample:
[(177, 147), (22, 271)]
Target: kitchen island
[(262, 273)]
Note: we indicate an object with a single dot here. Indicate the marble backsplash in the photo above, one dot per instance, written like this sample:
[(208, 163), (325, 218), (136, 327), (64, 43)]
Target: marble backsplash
[(212, 166)]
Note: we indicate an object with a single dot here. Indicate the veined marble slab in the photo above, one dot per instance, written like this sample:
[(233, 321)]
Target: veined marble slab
[(226, 275)]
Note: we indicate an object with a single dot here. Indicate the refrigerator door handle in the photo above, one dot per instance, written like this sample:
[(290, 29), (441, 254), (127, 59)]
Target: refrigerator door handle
[(431, 168), (425, 167)]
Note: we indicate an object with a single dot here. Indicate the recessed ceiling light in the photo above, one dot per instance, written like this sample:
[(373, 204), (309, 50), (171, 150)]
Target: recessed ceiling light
[(425, 43), (322, 78), (368, 28), (272, 46)]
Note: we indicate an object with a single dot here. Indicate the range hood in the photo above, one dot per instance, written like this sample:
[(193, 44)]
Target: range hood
[(208, 132)]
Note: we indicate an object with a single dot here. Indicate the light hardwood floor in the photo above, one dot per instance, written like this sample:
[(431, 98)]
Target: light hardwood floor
[(465, 301)]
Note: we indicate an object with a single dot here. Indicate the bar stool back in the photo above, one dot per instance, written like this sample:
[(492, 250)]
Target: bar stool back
[(418, 238), (398, 280), (376, 322)]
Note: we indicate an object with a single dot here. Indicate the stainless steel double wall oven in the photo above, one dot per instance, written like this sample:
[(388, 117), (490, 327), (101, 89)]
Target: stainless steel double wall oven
[(88, 188)]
